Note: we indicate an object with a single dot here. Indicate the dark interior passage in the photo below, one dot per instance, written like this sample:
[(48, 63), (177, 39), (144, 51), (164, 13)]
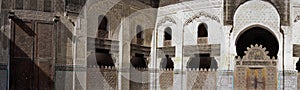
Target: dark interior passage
[(258, 36), (203, 61), (104, 58), (139, 61), (298, 65), (167, 62)]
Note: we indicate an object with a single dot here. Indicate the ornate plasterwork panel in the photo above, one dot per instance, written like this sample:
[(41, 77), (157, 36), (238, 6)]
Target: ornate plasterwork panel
[(164, 20), (297, 18), (256, 12), (200, 14), (255, 70)]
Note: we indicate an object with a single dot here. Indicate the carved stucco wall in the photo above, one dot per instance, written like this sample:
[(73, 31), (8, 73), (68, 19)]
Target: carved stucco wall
[(110, 9), (185, 17), (256, 13), (282, 6), (201, 79), (166, 79), (102, 78), (167, 21)]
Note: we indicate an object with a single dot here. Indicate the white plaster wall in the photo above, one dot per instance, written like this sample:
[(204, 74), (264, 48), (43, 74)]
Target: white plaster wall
[(189, 9), (295, 11), (161, 34), (295, 29), (296, 33), (183, 11), (214, 30)]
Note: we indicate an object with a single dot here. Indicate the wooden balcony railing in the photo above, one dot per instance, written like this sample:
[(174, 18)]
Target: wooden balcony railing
[(202, 40)]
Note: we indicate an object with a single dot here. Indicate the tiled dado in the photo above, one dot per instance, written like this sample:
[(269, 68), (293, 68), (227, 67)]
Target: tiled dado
[(3, 66), (69, 68)]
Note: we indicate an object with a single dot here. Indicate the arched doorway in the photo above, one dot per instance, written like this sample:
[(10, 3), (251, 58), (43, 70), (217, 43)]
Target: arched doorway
[(254, 69), (260, 36)]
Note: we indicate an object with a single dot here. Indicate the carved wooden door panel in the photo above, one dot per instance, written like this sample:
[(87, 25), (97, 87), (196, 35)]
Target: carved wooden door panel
[(256, 79), (256, 70), (32, 56), (44, 56), (21, 63)]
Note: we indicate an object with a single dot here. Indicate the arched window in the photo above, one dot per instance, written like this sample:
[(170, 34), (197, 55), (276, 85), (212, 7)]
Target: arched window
[(103, 27), (168, 34), (202, 30), (298, 65), (139, 32), (102, 22)]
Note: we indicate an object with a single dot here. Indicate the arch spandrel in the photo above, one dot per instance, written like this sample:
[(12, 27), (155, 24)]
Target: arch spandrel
[(255, 66), (256, 55), (257, 52), (256, 13)]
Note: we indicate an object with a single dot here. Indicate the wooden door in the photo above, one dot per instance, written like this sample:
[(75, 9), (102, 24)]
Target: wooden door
[(44, 56), (256, 79), (21, 63), (32, 56)]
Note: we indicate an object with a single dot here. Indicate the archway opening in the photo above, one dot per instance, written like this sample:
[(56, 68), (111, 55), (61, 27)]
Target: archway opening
[(202, 30), (139, 32), (168, 34), (298, 65), (167, 63), (260, 36), (203, 61), (102, 27), (102, 22), (103, 58), (139, 61)]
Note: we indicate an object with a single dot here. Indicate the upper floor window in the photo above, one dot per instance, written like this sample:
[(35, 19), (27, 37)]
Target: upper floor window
[(139, 32), (103, 27), (102, 21), (168, 34), (202, 30)]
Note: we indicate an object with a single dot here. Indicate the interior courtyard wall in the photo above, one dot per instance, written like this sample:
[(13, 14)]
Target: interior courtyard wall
[(264, 15), (295, 25)]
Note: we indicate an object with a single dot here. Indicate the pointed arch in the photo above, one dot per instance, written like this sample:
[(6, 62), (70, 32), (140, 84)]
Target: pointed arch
[(168, 34), (167, 63), (202, 30), (102, 22), (203, 61), (102, 26), (139, 32)]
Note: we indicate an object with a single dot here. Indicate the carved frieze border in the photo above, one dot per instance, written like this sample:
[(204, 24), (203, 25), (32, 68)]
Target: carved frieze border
[(165, 19), (297, 18), (202, 13)]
